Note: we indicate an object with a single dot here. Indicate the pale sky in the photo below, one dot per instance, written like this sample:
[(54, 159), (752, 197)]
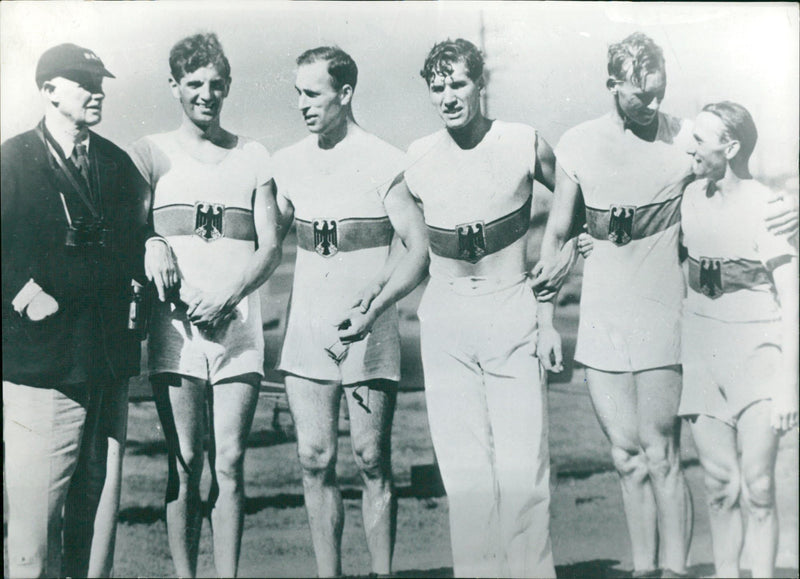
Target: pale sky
[(547, 61)]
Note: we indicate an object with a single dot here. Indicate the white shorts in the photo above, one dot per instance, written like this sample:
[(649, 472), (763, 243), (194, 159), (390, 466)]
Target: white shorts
[(176, 346), (616, 338), (727, 366), (307, 336)]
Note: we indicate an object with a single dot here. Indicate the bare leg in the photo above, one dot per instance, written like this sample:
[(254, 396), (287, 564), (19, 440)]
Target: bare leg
[(91, 512), (658, 395), (759, 452), (181, 406), (716, 447), (614, 398), (315, 410), (234, 407), (371, 432), (115, 416)]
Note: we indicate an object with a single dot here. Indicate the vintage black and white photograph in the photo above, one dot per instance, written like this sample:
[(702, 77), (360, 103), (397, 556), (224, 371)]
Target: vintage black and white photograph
[(403, 289)]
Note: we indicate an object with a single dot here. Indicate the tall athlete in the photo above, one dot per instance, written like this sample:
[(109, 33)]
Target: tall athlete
[(739, 338), (212, 193), (334, 184), (483, 383), (630, 166)]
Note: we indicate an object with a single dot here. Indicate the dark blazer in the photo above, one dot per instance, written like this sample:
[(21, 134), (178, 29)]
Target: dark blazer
[(88, 339)]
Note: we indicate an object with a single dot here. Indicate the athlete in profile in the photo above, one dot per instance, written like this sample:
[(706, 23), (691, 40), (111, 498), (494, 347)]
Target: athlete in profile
[(739, 338), (340, 337)]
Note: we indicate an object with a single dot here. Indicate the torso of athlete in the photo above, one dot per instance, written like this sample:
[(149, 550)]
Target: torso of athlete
[(731, 252), (344, 235), (632, 283), (204, 207), (476, 201)]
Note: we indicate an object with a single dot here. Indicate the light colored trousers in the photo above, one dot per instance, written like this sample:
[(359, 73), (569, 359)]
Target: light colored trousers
[(56, 453), (487, 410)]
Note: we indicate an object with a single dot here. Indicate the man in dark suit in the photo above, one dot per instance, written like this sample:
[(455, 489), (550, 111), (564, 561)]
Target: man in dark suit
[(74, 228)]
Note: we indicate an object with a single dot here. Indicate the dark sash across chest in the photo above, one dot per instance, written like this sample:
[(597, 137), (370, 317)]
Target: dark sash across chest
[(327, 237), (621, 224), (714, 276), (474, 240)]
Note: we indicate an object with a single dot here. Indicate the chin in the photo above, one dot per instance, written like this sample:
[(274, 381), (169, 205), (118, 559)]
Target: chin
[(454, 123)]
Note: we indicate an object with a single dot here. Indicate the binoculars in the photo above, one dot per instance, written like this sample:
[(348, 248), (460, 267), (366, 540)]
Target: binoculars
[(87, 233), (138, 309)]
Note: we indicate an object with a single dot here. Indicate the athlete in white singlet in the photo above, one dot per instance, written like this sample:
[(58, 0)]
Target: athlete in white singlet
[(630, 168), (739, 338), (213, 202), (484, 386), (342, 328)]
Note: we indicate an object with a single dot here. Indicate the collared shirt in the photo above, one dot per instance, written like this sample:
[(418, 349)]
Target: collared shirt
[(64, 139)]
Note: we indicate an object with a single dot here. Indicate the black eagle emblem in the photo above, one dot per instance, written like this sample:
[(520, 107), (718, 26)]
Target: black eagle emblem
[(711, 276), (208, 220), (326, 241), (620, 224), (471, 241)]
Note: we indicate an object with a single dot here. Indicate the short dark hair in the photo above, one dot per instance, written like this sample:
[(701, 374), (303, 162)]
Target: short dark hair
[(739, 126), (636, 55), (198, 51), (341, 66), (444, 54)]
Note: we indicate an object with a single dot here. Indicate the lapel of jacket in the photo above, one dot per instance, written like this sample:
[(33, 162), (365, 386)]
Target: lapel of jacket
[(105, 171), (59, 172)]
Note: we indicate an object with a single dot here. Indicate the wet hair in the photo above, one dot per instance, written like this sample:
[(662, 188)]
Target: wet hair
[(341, 66), (198, 51), (739, 126), (637, 56), (444, 54)]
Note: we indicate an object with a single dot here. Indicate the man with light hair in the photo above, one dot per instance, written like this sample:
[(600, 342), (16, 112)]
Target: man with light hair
[(630, 166), (74, 225)]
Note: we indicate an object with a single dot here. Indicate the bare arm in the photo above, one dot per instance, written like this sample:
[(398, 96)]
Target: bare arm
[(545, 172), (547, 281), (373, 288), (785, 399), (411, 268), (556, 233), (783, 214), (212, 307)]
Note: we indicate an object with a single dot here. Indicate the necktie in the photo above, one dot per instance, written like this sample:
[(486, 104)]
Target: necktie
[(80, 159)]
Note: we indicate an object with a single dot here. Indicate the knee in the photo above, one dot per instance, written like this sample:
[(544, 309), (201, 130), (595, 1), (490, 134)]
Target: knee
[(629, 462), (189, 467), (370, 461), (661, 458), (316, 459), (722, 490), (759, 494), (229, 462)]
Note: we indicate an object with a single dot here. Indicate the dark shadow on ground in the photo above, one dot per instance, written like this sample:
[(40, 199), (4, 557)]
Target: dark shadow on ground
[(585, 468), (440, 572), (149, 514), (257, 439), (595, 569), (141, 515)]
